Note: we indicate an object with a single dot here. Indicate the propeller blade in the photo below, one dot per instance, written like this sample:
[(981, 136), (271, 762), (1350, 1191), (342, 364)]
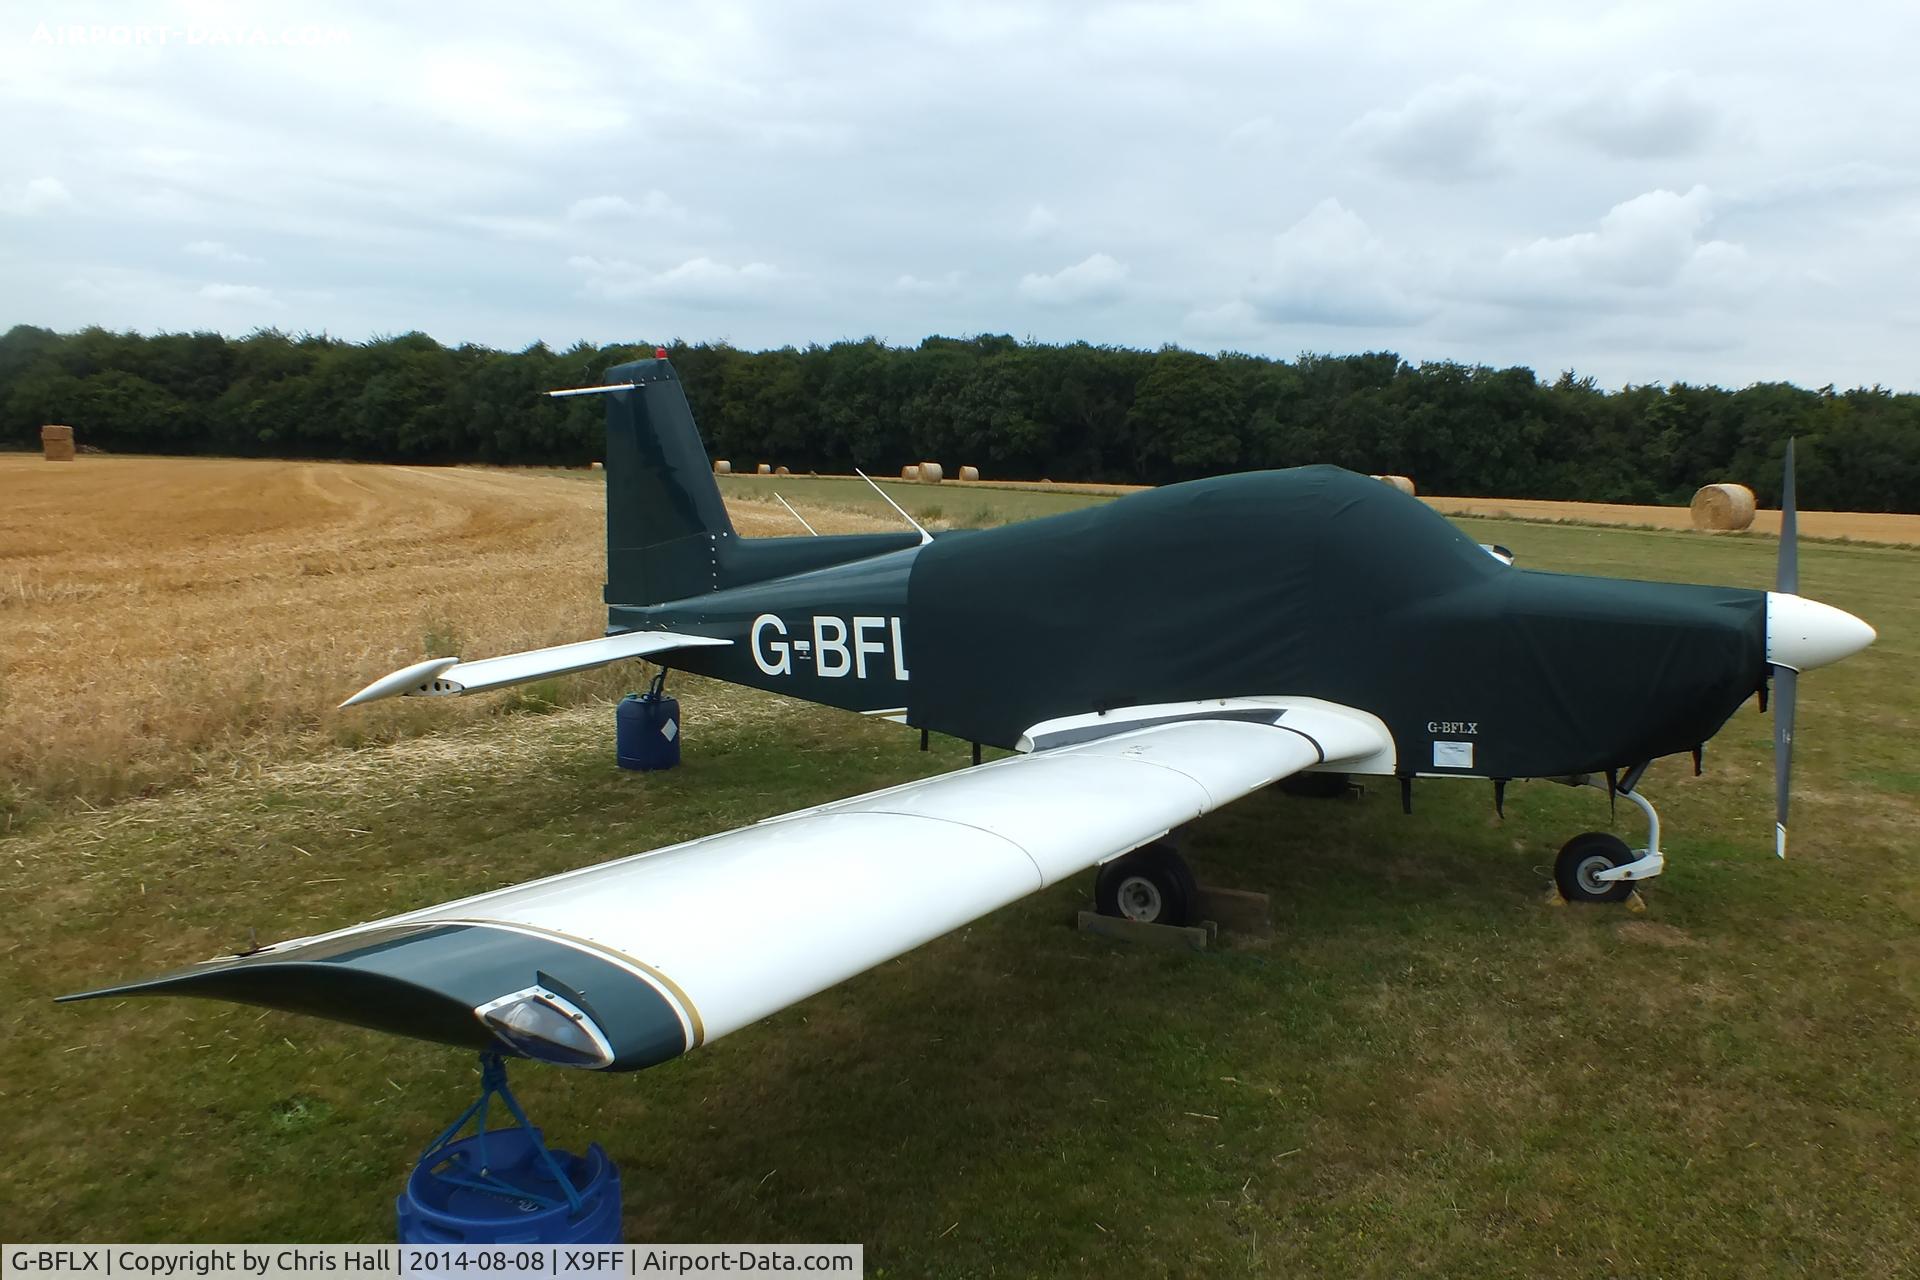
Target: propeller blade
[(1787, 580), (1785, 686), (1786, 681)]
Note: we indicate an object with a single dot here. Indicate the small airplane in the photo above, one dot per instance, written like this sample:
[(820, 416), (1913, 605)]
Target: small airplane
[(1148, 660)]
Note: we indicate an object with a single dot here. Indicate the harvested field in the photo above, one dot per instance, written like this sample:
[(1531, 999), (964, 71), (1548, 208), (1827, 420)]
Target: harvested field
[(171, 618), (1855, 526)]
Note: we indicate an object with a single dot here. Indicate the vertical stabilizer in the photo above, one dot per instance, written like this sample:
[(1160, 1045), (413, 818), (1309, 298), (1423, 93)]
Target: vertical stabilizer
[(668, 534), (665, 519)]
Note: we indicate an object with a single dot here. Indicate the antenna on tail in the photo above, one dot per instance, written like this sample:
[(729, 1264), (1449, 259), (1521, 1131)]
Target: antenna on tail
[(925, 537)]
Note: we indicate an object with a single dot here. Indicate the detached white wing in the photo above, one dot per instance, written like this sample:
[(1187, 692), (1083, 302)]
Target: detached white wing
[(627, 964), (447, 677)]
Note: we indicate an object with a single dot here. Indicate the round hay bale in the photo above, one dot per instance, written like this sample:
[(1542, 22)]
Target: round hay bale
[(1401, 483), (594, 466), (721, 467), (764, 469), (1723, 507), (909, 473), (781, 471), (969, 473), (932, 473)]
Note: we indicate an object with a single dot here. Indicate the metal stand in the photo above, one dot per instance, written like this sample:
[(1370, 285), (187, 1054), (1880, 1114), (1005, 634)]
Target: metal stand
[(493, 1084), (506, 1185)]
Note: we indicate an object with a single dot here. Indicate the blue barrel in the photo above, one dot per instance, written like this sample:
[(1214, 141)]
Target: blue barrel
[(646, 731), (496, 1189)]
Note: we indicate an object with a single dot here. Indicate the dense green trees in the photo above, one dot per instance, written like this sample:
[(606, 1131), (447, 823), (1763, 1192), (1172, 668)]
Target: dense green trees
[(1024, 410)]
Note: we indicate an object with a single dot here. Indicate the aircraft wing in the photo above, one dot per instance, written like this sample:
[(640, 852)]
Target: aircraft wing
[(447, 677), (630, 963)]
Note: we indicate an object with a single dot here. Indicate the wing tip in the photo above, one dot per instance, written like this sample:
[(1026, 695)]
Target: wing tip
[(399, 682)]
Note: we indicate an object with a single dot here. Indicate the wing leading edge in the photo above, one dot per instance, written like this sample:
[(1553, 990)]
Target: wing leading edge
[(632, 962)]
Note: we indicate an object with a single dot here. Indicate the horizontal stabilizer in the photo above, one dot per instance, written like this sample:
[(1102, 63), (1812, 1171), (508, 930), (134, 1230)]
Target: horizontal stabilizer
[(447, 677)]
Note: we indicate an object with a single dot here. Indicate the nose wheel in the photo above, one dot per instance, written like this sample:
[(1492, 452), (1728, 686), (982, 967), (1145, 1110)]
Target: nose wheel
[(1598, 866), (1584, 859)]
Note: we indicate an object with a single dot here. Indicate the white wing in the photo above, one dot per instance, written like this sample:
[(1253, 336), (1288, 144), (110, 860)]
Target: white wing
[(446, 677), (628, 963)]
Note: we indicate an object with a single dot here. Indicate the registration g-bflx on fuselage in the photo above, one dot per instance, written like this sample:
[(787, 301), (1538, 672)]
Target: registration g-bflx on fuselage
[(1149, 659)]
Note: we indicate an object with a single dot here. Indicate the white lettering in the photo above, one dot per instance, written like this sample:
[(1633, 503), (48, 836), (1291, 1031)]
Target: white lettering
[(899, 653), (837, 646), (863, 646), (774, 659)]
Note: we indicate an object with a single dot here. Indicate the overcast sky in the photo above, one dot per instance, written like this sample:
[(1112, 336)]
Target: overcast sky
[(1714, 191)]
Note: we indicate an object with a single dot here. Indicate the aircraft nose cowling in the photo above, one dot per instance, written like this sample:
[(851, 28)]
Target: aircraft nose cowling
[(1804, 634)]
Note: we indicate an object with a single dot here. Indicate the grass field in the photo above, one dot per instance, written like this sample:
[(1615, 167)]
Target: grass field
[(1426, 1069)]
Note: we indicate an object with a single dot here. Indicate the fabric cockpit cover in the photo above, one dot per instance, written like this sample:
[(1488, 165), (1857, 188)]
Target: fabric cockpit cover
[(1320, 582)]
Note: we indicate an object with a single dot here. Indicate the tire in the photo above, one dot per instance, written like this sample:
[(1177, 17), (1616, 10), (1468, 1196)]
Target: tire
[(1585, 854), (1316, 786), (1153, 885)]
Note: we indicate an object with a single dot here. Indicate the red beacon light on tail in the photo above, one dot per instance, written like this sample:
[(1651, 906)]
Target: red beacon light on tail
[(659, 353)]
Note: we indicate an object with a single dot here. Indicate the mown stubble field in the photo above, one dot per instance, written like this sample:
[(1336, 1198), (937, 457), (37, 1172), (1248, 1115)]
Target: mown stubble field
[(171, 619), (1426, 1069)]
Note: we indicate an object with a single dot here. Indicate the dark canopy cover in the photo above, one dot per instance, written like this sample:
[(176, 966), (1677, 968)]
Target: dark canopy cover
[(1320, 582)]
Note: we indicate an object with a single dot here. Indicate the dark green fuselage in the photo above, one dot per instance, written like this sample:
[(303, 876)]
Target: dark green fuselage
[(1313, 582)]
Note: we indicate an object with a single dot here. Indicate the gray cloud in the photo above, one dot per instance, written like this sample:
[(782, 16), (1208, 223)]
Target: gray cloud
[(1666, 115), (1507, 185), (1449, 132)]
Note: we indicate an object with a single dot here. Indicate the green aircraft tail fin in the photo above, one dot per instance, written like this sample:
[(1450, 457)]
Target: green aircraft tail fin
[(668, 533), (664, 512)]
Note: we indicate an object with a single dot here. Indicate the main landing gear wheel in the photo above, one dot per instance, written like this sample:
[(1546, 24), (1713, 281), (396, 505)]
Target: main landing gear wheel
[(1153, 885), (1585, 855)]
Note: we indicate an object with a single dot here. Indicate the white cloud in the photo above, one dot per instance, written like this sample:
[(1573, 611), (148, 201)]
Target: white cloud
[(35, 195), (1329, 268), (516, 96), (248, 295), (655, 204), (1040, 222), (1254, 134), (1661, 116), (695, 282), (1094, 279), (219, 251), (938, 287), (1650, 243), (1224, 323), (1445, 133)]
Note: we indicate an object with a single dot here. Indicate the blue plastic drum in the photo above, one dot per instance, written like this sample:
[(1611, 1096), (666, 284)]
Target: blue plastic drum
[(496, 1189), (647, 731)]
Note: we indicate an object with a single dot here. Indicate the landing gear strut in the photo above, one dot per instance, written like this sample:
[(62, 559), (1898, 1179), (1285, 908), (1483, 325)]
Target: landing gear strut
[(1153, 885), (1597, 866)]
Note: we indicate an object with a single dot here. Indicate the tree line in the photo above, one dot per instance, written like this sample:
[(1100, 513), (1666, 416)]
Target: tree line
[(1017, 410)]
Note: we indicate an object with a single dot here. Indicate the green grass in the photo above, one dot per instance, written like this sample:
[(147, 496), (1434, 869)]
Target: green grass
[(1426, 1069)]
